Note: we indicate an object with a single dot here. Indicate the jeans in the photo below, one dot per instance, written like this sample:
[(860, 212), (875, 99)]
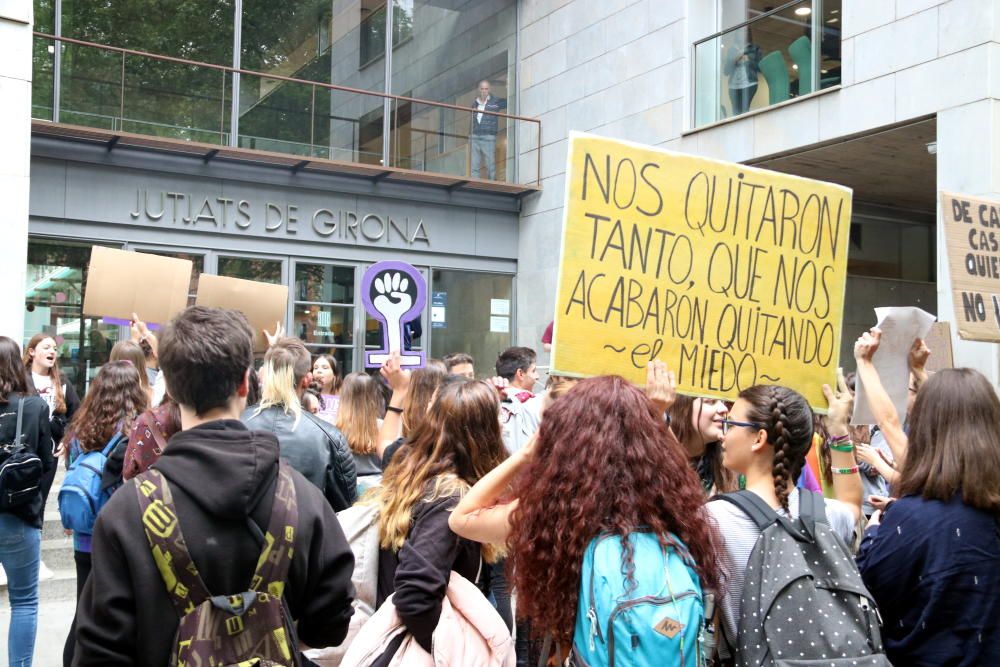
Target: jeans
[(484, 151), (20, 553), (741, 98)]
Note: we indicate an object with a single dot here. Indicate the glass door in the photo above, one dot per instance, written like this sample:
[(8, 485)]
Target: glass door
[(323, 310)]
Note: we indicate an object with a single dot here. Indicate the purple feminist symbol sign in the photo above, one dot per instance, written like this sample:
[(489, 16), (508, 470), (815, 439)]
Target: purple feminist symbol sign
[(394, 293)]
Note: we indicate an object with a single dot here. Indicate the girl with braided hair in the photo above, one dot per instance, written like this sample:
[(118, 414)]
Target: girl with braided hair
[(765, 438)]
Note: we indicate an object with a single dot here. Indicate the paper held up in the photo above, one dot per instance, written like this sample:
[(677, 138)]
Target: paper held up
[(264, 304), (900, 327), (120, 283)]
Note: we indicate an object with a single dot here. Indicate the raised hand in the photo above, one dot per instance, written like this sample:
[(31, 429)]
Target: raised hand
[(661, 385), (919, 352), (867, 344), (279, 333)]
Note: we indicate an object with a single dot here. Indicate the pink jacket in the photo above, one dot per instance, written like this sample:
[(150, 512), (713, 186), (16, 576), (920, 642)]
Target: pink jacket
[(469, 633)]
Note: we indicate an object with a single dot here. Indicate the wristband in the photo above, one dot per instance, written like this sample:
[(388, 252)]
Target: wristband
[(840, 438), (845, 471), (849, 447), (393, 408)]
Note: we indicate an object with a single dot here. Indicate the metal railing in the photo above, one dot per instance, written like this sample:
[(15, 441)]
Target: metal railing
[(134, 91)]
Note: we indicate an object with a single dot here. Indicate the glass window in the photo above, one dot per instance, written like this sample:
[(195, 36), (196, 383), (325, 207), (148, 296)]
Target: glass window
[(324, 283), (252, 268), (326, 325), (43, 57), (767, 60), (139, 94), (53, 299), (472, 313), (442, 51), (315, 41)]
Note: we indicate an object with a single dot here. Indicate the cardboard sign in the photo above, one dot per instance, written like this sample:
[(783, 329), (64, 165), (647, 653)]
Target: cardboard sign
[(732, 275), (120, 283), (264, 304), (939, 343), (393, 293), (972, 234)]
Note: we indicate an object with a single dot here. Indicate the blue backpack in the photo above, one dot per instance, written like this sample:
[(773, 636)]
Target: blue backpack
[(658, 621), (81, 496)]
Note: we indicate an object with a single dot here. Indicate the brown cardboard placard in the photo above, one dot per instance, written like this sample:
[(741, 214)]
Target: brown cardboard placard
[(120, 283), (939, 343), (972, 235), (264, 304)]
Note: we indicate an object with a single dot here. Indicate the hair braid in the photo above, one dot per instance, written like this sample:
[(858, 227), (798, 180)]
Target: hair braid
[(782, 467)]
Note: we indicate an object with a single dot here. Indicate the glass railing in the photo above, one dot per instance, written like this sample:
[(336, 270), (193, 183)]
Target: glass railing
[(123, 90), (786, 53)]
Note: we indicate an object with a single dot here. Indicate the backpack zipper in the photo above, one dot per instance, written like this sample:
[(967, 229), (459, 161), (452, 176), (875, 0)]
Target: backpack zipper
[(628, 604)]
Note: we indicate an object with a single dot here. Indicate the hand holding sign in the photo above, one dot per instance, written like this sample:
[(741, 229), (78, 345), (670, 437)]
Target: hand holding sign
[(661, 385), (867, 345)]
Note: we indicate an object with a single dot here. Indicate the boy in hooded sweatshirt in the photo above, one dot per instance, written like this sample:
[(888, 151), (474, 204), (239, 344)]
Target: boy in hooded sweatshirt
[(220, 474)]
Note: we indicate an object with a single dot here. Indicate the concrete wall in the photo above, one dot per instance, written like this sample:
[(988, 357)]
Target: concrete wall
[(15, 137), (623, 69)]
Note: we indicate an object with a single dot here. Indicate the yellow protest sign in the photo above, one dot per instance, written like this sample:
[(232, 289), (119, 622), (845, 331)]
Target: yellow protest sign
[(732, 275)]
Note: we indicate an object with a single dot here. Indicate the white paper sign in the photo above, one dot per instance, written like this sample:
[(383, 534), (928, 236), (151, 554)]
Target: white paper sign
[(499, 324), (499, 306), (900, 327)]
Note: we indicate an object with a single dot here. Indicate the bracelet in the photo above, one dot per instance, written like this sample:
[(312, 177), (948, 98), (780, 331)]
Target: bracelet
[(849, 447), (840, 438), (845, 471), (393, 408)]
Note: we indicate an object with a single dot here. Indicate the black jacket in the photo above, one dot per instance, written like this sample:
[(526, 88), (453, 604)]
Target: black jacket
[(489, 125), (219, 473), (38, 438), (316, 449)]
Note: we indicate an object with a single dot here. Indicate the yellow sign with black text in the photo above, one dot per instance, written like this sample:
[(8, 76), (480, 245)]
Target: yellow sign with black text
[(732, 275)]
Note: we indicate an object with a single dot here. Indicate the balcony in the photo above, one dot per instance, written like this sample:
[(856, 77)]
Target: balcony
[(124, 97), (776, 56)]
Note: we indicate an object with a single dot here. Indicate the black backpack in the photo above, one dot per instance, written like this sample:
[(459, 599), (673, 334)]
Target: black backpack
[(20, 469), (803, 601)]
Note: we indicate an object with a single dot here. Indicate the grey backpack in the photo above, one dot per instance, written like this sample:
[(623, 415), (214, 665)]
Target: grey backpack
[(804, 602)]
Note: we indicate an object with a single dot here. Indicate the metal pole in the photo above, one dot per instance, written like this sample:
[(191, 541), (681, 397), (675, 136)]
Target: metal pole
[(234, 118), (816, 41), (57, 64), (387, 101), (222, 111), (312, 123), (121, 110)]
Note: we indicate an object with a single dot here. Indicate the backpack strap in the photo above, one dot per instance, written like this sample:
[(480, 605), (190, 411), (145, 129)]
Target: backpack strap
[(271, 572), (112, 443), (163, 531), (762, 514), (17, 428)]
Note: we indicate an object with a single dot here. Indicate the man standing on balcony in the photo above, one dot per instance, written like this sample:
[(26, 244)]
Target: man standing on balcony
[(484, 131)]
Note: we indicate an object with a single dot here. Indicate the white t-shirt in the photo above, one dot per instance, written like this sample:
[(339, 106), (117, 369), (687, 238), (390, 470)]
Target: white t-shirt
[(480, 104), (43, 385), (739, 534)]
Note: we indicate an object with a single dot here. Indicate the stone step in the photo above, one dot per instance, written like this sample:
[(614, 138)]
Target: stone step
[(57, 554), (52, 528), (60, 587)]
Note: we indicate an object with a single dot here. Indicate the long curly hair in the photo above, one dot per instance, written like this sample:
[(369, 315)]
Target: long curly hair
[(604, 462), (456, 444), (115, 399)]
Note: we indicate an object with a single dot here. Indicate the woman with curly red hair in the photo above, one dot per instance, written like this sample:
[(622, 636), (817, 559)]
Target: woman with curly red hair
[(604, 464), (116, 397)]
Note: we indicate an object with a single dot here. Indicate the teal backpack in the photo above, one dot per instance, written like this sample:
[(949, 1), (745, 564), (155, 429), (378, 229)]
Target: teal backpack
[(658, 621)]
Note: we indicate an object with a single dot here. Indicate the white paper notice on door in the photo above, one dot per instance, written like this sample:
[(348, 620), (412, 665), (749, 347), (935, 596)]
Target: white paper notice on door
[(499, 324), (499, 306)]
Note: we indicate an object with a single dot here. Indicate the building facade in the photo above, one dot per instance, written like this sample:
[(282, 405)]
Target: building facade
[(299, 142), (904, 105)]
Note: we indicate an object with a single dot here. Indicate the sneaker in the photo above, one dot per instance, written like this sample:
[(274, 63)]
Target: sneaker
[(3, 576), (44, 573)]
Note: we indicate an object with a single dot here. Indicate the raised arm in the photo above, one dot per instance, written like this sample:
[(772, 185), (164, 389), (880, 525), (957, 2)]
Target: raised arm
[(847, 486), (392, 424), (478, 515), (878, 399)]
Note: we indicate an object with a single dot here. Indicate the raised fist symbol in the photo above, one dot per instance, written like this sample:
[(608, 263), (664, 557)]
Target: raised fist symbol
[(393, 299)]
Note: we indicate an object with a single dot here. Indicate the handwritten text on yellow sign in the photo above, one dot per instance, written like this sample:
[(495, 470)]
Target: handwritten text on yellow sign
[(733, 275)]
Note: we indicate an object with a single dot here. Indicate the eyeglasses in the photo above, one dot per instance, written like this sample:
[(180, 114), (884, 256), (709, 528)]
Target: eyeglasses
[(726, 423)]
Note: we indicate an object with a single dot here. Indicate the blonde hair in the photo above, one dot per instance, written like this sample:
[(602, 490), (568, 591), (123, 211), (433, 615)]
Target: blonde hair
[(456, 444), (285, 364), (361, 405)]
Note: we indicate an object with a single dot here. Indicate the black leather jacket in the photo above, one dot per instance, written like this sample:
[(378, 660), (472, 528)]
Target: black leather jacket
[(316, 449)]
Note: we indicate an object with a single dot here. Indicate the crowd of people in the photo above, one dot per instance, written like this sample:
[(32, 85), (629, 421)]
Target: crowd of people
[(225, 510)]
